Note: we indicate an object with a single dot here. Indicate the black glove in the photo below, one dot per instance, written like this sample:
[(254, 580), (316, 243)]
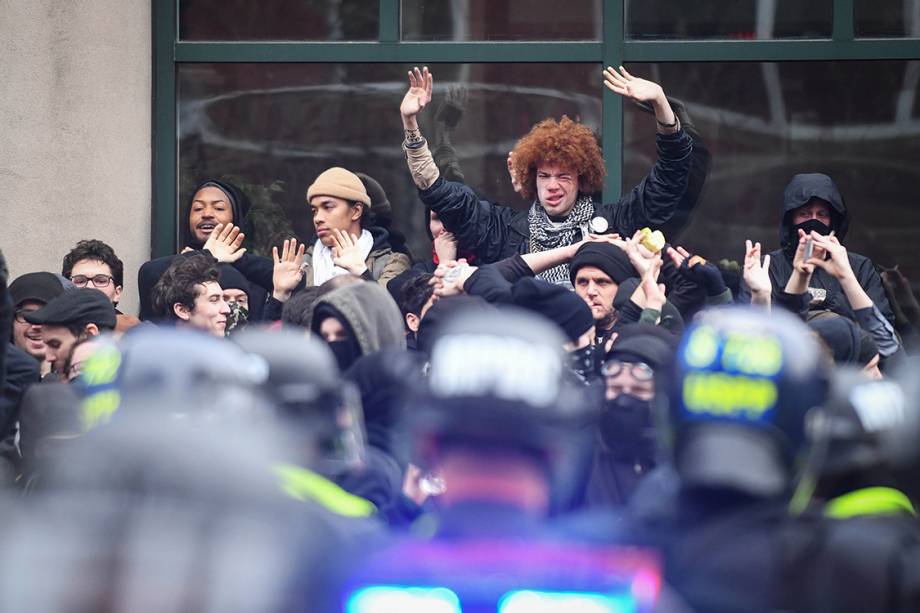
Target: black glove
[(703, 273)]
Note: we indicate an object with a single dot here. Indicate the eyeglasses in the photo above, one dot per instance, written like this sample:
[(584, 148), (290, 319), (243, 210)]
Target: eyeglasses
[(98, 280), (640, 371)]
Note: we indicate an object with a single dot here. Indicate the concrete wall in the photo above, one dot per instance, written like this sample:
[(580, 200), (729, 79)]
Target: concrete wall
[(75, 133)]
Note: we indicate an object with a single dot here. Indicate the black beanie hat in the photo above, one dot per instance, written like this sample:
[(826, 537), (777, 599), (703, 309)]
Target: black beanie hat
[(609, 258), (556, 303), (642, 342), (231, 278)]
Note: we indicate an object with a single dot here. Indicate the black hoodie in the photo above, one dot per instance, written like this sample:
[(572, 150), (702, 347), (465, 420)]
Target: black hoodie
[(800, 190)]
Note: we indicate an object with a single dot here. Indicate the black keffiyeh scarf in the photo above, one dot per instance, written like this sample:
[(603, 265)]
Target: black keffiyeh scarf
[(544, 236)]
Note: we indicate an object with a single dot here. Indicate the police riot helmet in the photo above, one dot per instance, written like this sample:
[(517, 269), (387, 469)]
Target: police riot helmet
[(742, 383), (171, 371), (501, 383), (306, 389)]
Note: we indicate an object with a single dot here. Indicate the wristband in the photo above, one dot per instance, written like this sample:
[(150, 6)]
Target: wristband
[(669, 125)]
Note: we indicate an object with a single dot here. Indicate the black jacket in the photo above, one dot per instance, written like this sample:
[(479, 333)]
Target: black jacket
[(802, 189), (494, 232)]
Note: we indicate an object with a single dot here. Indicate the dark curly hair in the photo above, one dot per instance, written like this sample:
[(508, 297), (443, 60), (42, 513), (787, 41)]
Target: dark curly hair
[(179, 284), (563, 143), (94, 250)]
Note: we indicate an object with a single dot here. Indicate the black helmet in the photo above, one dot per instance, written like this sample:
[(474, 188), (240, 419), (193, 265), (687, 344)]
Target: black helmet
[(501, 383), (305, 387), (861, 413), (742, 384), (850, 436), (172, 371)]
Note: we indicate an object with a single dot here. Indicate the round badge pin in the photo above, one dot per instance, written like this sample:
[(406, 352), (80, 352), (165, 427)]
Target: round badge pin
[(598, 225)]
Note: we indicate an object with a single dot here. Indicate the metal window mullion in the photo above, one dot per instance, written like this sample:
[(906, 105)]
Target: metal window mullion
[(844, 28), (390, 52), (770, 50), (389, 21), (164, 157), (612, 104)]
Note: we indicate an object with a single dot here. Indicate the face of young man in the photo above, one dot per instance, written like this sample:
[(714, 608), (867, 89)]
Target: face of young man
[(210, 311), (330, 213), (598, 290), (557, 189), (26, 336), (86, 272), (59, 341), (210, 207)]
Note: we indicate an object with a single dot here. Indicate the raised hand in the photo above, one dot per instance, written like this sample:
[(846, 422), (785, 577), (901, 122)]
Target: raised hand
[(756, 273), (445, 245), (288, 271), (622, 83), (698, 271), (803, 266), (224, 243), (838, 264), (641, 90), (514, 182), (421, 84), (654, 291), (640, 257), (449, 277), (346, 253)]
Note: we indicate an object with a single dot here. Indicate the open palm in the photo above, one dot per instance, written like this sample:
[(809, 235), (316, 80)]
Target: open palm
[(421, 84), (622, 83)]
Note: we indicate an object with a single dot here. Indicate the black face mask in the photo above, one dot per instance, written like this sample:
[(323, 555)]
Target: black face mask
[(812, 225), (345, 352), (627, 428), (586, 362)]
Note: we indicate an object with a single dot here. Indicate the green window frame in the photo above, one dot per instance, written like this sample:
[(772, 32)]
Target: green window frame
[(613, 49)]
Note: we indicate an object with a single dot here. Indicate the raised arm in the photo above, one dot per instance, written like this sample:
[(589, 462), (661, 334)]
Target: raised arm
[(654, 201)]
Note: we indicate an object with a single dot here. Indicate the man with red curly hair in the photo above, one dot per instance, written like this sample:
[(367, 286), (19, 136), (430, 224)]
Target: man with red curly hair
[(558, 165)]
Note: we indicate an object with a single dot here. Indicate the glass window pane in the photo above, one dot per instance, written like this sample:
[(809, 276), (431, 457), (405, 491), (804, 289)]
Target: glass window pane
[(272, 128), (888, 18), (275, 20), (501, 20), (730, 19), (796, 117)]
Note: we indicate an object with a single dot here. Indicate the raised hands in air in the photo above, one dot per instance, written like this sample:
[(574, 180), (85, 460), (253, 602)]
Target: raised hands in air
[(619, 81), (288, 270), (421, 84)]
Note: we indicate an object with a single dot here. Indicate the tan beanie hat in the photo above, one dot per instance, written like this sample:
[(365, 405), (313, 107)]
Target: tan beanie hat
[(339, 183)]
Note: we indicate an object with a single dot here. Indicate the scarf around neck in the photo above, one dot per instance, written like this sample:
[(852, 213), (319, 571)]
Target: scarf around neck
[(544, 235), (323, 266)]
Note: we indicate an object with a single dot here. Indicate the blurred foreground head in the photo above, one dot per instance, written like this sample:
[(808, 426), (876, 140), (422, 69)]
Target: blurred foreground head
[(499, 398), (742, 384), (308, 395), (165, 514)]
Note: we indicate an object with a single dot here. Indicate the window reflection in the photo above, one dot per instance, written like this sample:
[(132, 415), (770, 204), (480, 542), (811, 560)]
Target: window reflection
[(888, 19), (732, 19), (501, 20), (797, 117), (295, 20), (274, 127)]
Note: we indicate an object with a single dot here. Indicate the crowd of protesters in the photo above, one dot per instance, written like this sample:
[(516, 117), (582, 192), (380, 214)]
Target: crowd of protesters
[(558, 405)]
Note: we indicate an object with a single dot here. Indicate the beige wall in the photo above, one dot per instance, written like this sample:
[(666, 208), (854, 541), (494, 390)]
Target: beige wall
[(75, 97)]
